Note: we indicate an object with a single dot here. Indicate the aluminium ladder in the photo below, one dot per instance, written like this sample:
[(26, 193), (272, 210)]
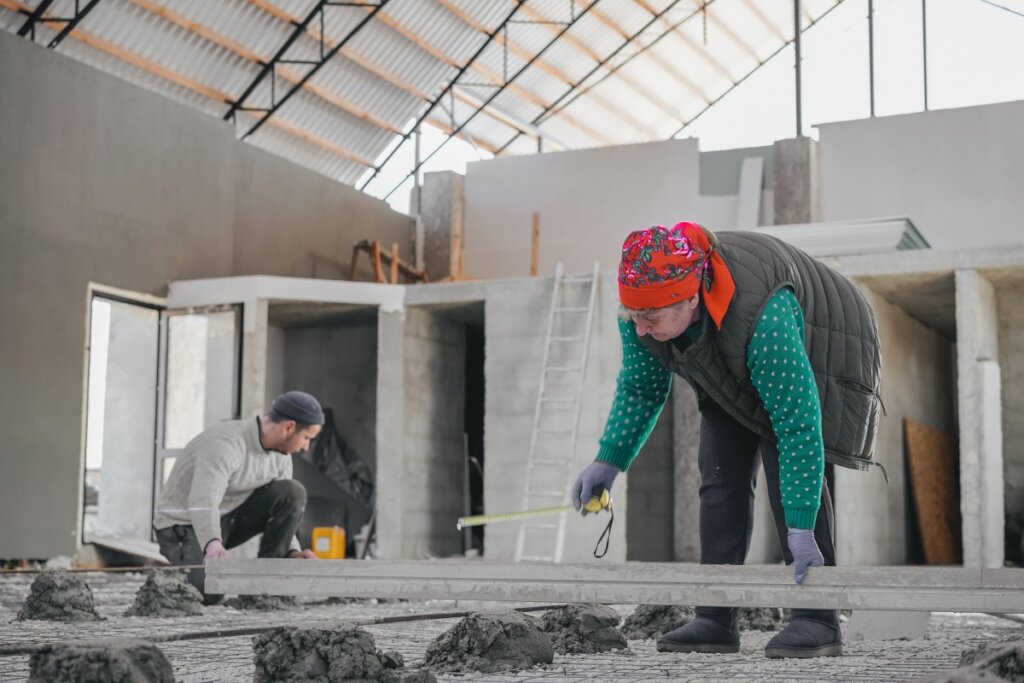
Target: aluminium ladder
[(547, 475)]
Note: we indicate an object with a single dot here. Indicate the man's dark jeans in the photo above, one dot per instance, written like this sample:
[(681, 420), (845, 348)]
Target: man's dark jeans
[(273, 510), (728, 460)]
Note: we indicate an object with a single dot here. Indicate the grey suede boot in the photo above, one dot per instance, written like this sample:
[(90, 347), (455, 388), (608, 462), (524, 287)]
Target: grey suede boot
[(807, 637), (703, 634)]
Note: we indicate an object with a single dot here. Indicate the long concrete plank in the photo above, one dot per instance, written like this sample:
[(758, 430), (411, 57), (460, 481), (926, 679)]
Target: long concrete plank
[(953, 589)]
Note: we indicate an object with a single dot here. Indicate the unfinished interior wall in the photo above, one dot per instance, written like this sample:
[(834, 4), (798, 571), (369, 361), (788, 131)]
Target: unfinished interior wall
[(588, 201), (1010, 303), (948, 170), (872, 518), (650, 523), (516, 317), (150, 191), (336, 361), (434, 427)]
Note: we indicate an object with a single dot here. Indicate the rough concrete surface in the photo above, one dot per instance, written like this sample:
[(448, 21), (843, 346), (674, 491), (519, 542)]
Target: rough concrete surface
[(653, 621), (262, 603), (490, 641), (101, 661), (166, 594), (583, 629), (328, 654), (230, 659), (59, 596)]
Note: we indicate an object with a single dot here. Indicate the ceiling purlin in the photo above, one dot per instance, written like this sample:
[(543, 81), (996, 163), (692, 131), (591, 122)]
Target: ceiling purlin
[(544, 66), (654, 57), (491, 76), (156, 69), (644, 91)]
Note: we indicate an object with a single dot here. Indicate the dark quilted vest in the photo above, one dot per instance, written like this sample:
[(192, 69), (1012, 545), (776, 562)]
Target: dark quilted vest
[(840, 334)]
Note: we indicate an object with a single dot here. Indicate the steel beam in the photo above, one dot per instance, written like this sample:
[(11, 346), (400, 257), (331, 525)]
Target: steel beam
[(953, 589)]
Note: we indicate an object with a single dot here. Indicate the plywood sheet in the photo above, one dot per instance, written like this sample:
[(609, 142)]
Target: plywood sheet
[(932, 462)]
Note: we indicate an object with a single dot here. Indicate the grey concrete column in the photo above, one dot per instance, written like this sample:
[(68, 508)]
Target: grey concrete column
[(797, 193), (390, 433), (441, 215), (254, 356), (981, 431)]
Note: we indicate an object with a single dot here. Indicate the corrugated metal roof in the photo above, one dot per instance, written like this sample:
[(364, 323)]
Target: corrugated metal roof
[(615, 75)]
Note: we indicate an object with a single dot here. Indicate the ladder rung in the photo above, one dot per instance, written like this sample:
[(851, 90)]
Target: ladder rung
[(549, 461), (541, 526), (558, 399), (554, 431), (568, 339), (578, 278), (563, 368), (572, 309)]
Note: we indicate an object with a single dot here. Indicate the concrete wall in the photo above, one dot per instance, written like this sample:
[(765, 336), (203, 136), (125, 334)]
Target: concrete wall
[(106, 182), (649, 525), (917, 383), (956, 173), (434, 424), (1010, 303), (516, 314), (588, 201), (337, 363)]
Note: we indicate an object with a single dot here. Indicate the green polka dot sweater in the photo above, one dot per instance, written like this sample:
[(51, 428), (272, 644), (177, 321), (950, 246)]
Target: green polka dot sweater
[(782, 375)]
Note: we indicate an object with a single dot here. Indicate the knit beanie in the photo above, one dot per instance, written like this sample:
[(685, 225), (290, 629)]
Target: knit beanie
[(664, 266), (299, 406)]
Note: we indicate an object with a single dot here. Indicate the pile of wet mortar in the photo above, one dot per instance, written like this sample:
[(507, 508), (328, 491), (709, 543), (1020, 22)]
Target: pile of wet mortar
[(654, 621), (166, 594), (59, 596), (329, 654), (262, 602), (100, 661), (490, 641), (583, 629)]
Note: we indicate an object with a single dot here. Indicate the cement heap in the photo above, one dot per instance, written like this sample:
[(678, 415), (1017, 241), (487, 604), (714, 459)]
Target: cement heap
[(654, 621), (262, 602), (327, 655), (490, 641), (166, 594), (583, 629), (59, 596), (100, 661), (1002, 661)]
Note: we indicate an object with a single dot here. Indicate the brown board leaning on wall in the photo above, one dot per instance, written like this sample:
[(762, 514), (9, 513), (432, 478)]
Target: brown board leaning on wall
[(932, 461)]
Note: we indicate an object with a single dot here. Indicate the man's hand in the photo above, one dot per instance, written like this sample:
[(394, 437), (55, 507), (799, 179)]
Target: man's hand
[(805, 552), (306, 554), (214, 550), (597, 475)]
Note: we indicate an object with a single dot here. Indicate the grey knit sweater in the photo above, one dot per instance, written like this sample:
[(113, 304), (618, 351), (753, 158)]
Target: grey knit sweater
[(217, 471)]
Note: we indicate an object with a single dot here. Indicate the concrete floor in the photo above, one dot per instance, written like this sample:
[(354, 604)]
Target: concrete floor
[(230, 659)]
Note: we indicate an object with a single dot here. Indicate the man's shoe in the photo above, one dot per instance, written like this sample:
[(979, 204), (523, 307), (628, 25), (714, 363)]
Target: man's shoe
[(701, 635), (806, 638)]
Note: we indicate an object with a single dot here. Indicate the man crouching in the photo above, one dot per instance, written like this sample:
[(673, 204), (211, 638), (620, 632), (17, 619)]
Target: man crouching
[(234, 481)]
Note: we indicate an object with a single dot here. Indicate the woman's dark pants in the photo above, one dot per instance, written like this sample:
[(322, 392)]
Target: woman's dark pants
[(728, 458)]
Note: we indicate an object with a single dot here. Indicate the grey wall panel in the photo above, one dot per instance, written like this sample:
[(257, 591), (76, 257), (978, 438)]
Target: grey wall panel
[(104, 181)]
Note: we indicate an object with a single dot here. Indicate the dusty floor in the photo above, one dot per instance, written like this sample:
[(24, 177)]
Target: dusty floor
[(231, 659)]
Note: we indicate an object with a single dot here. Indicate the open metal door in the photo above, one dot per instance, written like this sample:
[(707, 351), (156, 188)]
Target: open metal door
[(199, 378)]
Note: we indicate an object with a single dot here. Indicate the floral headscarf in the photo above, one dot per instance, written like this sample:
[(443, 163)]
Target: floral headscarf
[(663, 266)]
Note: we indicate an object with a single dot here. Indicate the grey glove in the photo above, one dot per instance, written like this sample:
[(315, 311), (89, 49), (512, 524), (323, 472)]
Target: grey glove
[(596, 476), (805, 552)]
